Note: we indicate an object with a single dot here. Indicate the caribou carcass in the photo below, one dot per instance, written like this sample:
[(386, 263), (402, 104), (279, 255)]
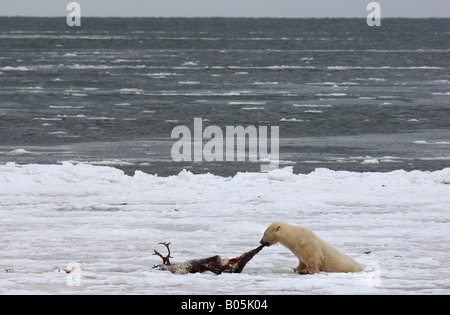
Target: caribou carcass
[(215, 264)]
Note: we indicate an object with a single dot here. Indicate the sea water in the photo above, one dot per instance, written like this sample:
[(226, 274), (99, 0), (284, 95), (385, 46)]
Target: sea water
[(344, 95)]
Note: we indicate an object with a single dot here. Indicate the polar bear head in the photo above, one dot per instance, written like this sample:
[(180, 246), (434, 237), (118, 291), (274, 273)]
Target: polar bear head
[(270, 235)]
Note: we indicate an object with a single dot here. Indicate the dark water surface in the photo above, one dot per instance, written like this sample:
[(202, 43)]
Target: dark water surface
[(344, 95)]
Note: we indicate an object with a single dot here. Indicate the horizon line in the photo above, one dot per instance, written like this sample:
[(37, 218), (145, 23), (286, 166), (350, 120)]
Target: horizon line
[(222, 17)]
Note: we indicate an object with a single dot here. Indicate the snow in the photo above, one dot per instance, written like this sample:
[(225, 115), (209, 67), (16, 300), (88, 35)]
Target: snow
[(107, 224), (370, 161), (18, 152)]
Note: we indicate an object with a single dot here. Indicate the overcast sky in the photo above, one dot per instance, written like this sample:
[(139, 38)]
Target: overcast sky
[(228, 8)]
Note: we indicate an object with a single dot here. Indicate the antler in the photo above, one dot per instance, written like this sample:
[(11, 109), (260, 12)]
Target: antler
[(166, 260)]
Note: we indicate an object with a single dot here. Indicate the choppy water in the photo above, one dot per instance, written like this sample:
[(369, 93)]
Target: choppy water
[(345, 96)]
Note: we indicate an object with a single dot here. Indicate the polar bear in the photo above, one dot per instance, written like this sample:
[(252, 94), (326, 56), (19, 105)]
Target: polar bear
[(314, 253)]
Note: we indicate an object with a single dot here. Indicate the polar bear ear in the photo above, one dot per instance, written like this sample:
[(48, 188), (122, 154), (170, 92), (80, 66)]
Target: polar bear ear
[(276, 229)]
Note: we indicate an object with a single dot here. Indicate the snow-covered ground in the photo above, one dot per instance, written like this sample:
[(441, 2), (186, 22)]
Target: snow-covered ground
[(104, 225)]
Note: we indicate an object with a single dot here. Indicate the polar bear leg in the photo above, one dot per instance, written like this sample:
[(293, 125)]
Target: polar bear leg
[(313, 260), (300, 266), (309, 270)]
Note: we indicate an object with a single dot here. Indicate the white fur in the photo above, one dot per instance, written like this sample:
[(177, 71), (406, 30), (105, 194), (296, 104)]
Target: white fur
[(314, 253)]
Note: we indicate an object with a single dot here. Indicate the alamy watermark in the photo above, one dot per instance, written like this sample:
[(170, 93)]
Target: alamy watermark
[(74, 17), (374, 277), (234, 145), (374, 17), (73, 271)]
